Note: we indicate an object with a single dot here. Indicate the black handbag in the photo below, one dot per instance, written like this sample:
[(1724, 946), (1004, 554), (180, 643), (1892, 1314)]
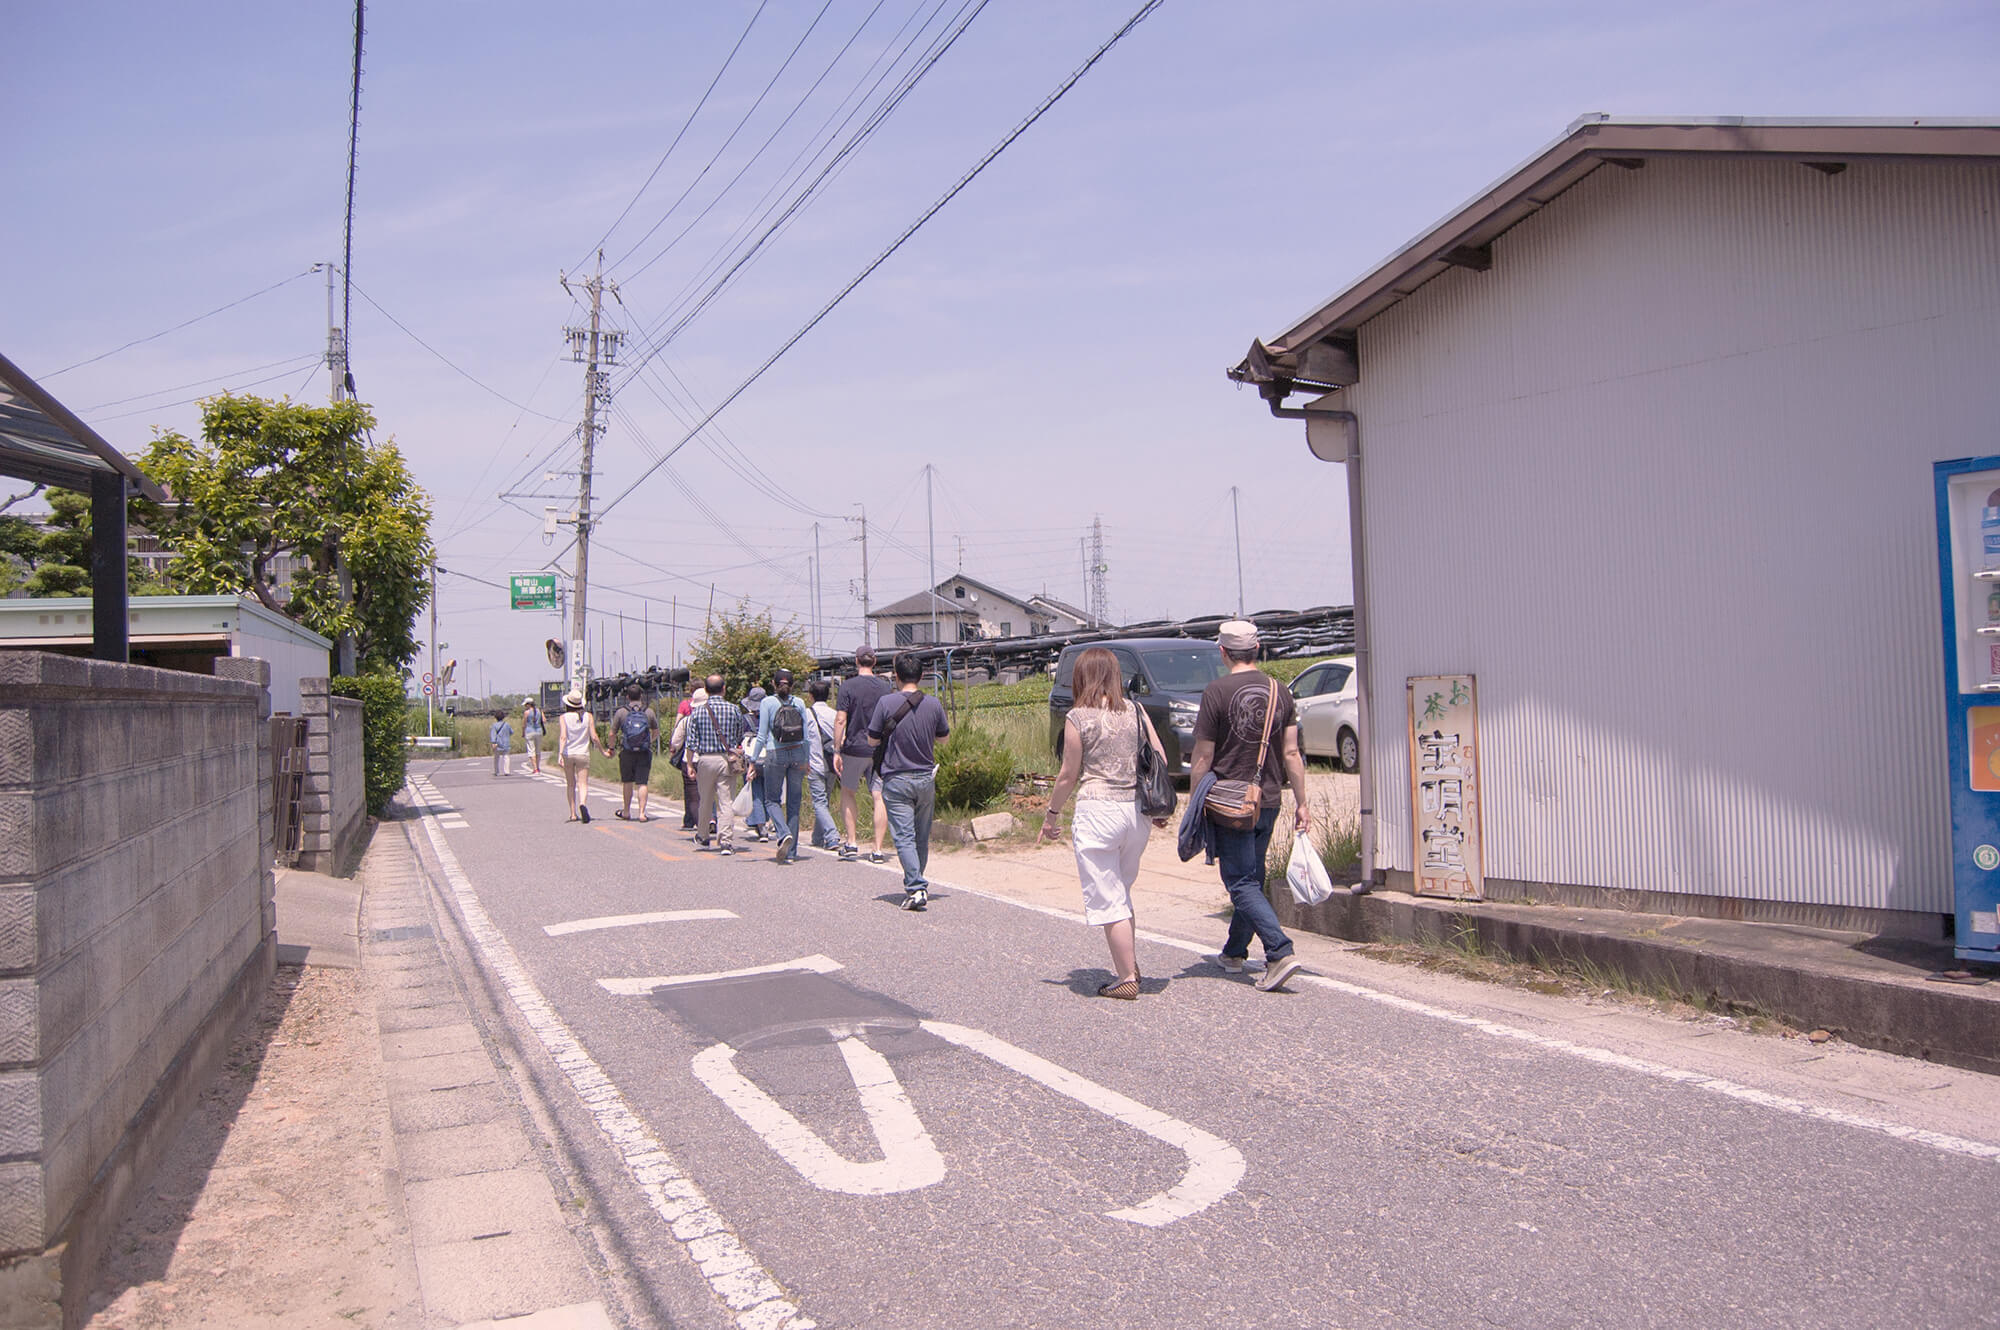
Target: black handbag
[(1157, 796)]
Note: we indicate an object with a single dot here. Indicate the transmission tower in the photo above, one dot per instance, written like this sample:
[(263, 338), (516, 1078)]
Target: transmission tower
[(1099, 607), (593, 346)]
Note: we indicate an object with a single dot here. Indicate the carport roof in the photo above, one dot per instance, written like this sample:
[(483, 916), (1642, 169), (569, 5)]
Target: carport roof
[(1318, 351), (43, 441)]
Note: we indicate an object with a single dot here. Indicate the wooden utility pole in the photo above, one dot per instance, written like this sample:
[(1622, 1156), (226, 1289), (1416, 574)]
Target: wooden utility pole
[(595, 346)]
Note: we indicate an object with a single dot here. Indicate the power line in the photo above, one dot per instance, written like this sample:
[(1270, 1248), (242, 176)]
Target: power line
[(154, 337), (353, 155), (463, 373), (716, 156), (196, 383), (882, 258), (727, 61), (162, 406)]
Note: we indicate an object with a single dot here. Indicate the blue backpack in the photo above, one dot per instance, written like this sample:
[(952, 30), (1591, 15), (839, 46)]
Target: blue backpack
[(635, 729)]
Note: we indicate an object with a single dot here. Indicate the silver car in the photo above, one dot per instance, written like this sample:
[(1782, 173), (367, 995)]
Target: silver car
[(1327, 710)]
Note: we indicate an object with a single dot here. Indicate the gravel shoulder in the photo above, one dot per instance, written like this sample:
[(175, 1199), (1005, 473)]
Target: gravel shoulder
[(275, 1207)]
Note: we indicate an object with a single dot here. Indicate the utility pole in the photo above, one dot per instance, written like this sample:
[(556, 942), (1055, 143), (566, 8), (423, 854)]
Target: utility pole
[(431, 688), (819, 576), (336, 336), (1100, 606), (594, 346), (930, 538), (1237, 518), (867, 625)]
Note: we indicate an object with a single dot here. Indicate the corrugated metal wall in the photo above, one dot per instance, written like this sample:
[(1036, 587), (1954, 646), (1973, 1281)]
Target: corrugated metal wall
[(1661, 479)]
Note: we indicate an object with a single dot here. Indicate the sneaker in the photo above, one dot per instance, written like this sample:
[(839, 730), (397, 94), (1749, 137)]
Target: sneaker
[(916, 900), (1230, 964), (726, 849), (849, 853), (1276, 973), (785, 844), (701, 842), (877, 857), (583, 811)]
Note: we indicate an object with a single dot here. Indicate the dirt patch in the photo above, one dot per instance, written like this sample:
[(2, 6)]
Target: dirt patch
[(273, 1207)]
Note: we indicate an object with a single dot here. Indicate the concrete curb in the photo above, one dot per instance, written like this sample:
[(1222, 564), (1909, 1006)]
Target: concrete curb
[(1809, 978)]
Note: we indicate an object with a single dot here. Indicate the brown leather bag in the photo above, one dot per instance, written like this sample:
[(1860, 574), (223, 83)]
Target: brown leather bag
[(1235, 804)]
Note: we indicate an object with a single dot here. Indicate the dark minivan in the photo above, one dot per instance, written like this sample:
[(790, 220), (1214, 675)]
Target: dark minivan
[(1165, 675)]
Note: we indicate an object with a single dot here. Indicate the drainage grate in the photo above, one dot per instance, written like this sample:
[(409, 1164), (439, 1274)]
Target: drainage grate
[(402, 934)]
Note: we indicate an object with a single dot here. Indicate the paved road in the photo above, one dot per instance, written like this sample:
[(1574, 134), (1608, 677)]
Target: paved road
[(928, 1120)]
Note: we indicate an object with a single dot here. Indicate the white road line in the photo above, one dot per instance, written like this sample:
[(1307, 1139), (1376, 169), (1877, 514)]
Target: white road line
[(1939, 1141), (733, 1274), (1214, 1165), (909, 1158), (630, 920), (641, 987)]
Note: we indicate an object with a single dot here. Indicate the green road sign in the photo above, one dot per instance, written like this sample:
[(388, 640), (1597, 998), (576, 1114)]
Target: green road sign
[(532, 591)]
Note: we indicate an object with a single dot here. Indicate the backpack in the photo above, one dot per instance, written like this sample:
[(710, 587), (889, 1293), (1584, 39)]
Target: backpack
[(635, 729), (789, 725)]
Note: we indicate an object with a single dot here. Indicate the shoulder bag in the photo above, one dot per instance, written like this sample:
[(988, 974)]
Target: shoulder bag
[(1235, 803), (889, 727), (1157, 797)]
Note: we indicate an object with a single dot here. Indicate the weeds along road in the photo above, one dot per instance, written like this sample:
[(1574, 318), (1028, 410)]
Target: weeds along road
[(781, 1100)]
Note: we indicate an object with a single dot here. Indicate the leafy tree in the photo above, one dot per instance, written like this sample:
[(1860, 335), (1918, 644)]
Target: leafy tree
[(54, 559), (281, 478), (745, 649)]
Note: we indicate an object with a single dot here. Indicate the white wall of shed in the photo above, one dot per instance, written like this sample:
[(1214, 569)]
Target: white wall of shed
[(1662, 479), (291, 656)]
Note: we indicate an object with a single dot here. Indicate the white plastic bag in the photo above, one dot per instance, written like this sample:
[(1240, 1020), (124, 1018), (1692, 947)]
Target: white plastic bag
[(1306, 875), (742, 801)]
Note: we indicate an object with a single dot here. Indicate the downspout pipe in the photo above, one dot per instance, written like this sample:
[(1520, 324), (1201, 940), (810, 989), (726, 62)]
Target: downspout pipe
[(1335, 436)]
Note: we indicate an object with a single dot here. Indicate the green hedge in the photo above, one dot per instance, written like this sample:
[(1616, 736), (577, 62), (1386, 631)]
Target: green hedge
[(384, 735), (973, 768)]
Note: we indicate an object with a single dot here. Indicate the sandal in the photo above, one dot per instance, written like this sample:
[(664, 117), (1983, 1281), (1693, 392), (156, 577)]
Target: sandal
[(621, 815), (1126, 990)]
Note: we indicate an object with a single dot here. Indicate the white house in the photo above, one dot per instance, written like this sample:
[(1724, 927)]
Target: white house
[(963, 610), (1642, 438)]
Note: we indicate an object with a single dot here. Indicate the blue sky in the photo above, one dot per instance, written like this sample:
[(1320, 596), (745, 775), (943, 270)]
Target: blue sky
[(1052, 342)]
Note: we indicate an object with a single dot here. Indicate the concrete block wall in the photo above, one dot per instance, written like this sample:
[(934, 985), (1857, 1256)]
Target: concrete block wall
[(135, 929), (332, 809)]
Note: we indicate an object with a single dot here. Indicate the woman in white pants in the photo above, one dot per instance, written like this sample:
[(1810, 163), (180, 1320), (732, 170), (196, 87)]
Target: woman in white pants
[(1101, 738)]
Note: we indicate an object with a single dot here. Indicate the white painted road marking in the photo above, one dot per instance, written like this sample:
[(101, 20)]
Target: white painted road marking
[(630, 920), (1214, 1165), (1936, 1140), (733, 1274), (641, 987), (909, 1159)]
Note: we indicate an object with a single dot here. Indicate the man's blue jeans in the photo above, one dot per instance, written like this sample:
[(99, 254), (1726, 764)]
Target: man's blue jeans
[(784, 773), (1242, 857), (826, 833), (910, 797)]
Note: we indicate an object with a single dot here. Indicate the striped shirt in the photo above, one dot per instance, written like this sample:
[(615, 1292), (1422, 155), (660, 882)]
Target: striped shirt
[(714, 727)]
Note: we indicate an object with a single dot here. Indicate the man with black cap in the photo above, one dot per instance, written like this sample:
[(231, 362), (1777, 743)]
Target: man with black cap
[(1247, 730)]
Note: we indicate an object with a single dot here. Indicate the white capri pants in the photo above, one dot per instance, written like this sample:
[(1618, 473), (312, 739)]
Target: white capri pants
[(1109, 838)]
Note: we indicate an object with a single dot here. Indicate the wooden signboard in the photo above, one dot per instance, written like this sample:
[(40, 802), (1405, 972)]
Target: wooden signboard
[(1446, 857)]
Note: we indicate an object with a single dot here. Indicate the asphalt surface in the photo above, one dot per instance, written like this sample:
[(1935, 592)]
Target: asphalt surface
[(930, 1120)]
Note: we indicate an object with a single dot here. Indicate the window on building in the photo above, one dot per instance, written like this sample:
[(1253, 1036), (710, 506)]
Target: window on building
[(958, 591), (1006, 629)]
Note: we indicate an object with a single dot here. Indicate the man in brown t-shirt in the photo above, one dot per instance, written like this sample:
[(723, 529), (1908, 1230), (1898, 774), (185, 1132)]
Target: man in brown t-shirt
[(1229, 731)]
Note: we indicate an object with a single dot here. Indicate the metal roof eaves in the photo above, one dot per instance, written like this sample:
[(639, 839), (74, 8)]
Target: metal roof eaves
[(1582, 148)]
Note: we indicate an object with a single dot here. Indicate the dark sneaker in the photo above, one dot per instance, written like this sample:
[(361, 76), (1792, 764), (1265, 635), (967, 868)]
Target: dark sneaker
[(848, 853), (583, 811), (701, 842), (877, 857), (1276, 973), (727, 848), (916, 900), (785, 844)]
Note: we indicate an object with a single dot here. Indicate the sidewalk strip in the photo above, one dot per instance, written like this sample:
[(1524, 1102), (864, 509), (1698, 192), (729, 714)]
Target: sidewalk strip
[(732, 1273), (641, 987), (628, 920), (1936, 1140)]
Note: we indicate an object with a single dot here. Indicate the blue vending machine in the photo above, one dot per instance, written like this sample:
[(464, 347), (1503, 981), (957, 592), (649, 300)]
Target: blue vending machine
[(1968, 519)]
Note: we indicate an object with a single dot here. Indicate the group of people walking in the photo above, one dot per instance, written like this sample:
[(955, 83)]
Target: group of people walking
[(882, 734)]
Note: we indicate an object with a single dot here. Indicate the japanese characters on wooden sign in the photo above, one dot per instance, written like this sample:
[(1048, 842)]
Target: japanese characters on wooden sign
[(1444, 787)]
